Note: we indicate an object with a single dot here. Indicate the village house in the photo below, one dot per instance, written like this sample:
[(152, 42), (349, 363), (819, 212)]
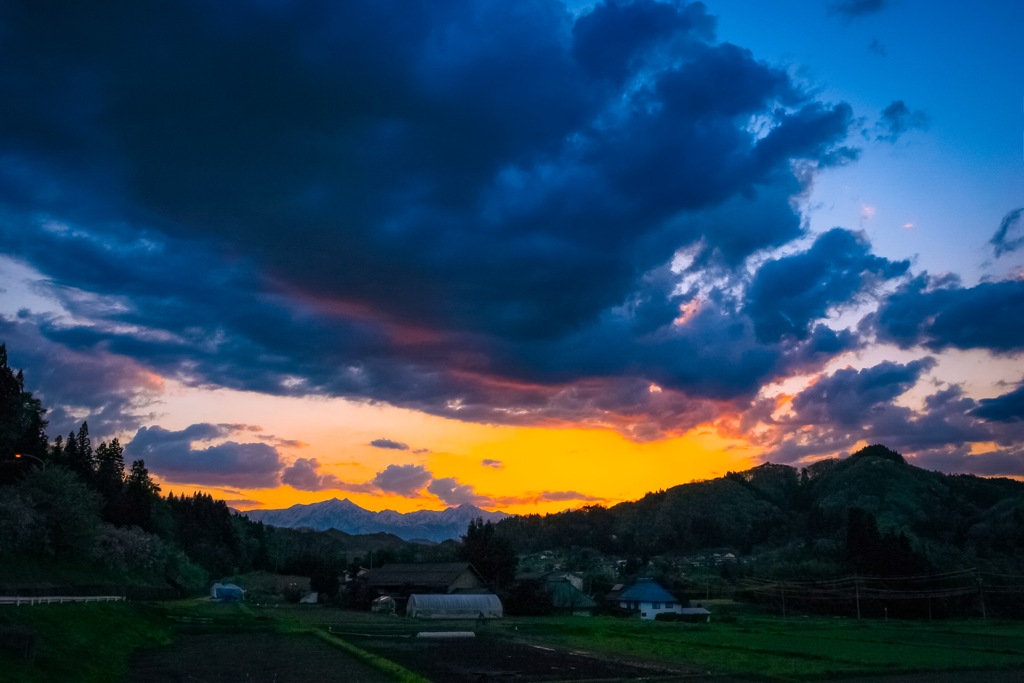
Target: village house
[(649, 599), (565, 590)]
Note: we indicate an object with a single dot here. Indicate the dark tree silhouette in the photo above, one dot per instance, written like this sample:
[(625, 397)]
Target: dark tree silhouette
[(81, 459), (490, 554), (22, 425)]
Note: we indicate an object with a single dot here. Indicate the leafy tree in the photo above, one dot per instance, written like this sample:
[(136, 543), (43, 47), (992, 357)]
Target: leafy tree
[(18, 522), (325, 581), (529, 599), (68, 513), (490, 554)]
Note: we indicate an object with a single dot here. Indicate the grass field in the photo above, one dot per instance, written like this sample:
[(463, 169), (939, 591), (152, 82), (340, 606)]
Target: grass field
[(800, 648), (76, 642), (95, 642)]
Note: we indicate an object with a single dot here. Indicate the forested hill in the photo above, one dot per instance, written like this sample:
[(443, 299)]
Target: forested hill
[(871, 512)]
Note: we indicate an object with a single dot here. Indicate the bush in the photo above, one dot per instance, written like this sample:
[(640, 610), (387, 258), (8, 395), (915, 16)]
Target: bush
[(291, 593)]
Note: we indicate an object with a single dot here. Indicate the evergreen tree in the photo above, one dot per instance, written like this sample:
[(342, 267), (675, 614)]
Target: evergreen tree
[(491, 555), (80, 457), (86, 457), (141, 496), (109, 480), (109, 466), (57, 450), (22, 425), (70, 454)]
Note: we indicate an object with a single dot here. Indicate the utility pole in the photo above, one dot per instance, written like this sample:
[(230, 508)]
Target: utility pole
[(981, 597)]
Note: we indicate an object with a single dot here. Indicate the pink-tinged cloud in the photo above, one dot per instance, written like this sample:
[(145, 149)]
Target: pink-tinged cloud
[(451, 492), (304, 474), (405, 480), (533, 498), (389, 444), (172, 457)]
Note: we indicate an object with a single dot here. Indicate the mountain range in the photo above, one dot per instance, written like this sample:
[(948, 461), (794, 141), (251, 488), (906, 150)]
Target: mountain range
[(870, 513), (344, 515)]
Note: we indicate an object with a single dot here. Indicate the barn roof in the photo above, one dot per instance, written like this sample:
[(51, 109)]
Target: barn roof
[(647, 590), (566, 595), (436, 574)]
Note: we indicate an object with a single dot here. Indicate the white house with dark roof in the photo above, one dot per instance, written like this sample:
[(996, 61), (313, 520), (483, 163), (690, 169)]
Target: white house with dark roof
[(649, 598)]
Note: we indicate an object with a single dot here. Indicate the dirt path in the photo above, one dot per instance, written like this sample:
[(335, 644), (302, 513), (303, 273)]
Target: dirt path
[(491, 660), (250, 658)]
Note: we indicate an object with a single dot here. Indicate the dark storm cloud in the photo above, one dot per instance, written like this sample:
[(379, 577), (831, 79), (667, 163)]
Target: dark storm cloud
[(898, 119), (173, 457), (1002, 463), (1006, 408), (950, 316), (469, 210), (611, 39), (851, 9), (850, 396), (1010, 235), (789, 293), (389, 444)]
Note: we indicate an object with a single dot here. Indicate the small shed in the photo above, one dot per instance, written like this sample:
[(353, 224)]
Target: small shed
[(385, 604), (696, 614), (227, 592), (454, 606)]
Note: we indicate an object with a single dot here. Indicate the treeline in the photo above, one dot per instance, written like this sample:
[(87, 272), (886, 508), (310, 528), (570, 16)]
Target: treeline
[(871, 514), (67, 503)]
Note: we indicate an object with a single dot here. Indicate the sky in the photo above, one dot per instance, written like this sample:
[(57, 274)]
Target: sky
[(527, 255)]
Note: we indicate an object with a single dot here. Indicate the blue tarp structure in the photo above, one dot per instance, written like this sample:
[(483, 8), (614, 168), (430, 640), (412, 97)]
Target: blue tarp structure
[(227, 592)]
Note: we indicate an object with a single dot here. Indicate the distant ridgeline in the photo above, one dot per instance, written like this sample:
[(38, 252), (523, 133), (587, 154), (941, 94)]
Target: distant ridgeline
[(871, 513), (346, 516)]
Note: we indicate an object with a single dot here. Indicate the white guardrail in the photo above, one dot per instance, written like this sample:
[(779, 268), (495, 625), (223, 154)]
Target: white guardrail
[(56, 599)]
